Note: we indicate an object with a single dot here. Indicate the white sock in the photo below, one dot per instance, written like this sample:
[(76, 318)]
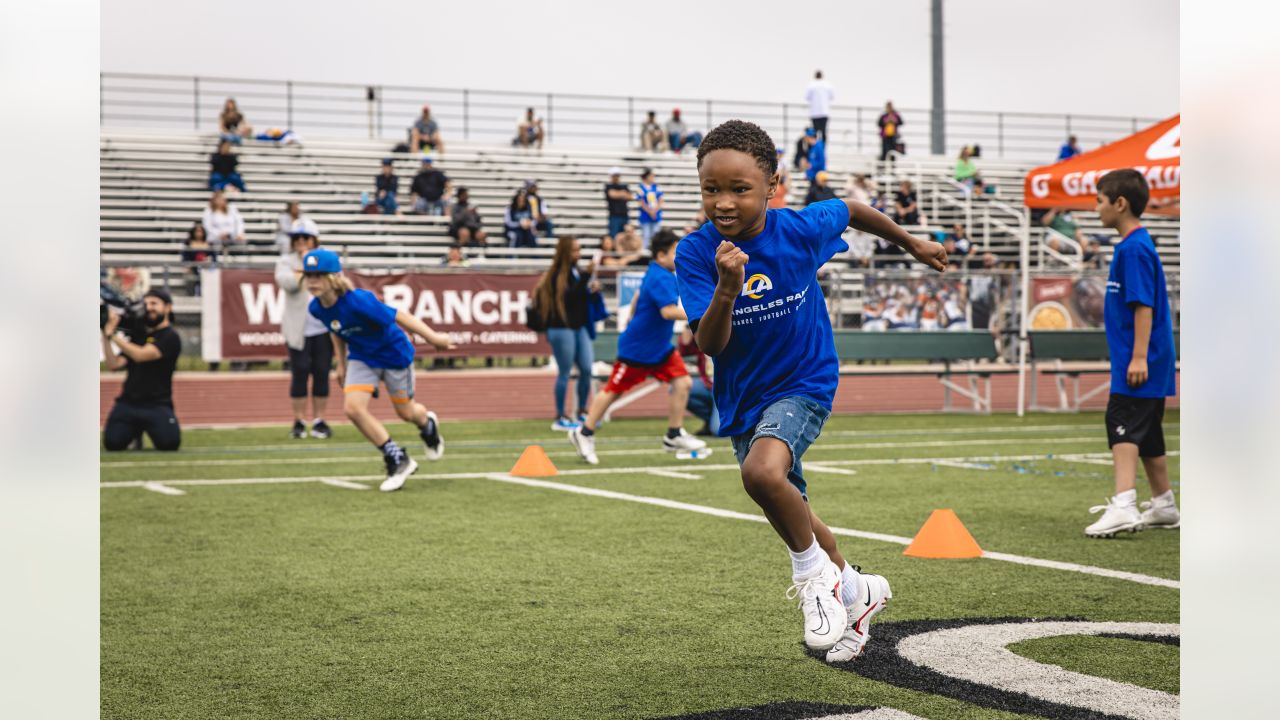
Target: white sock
[(1164, 499), (1127, 498), (809, 562), (850, 586)]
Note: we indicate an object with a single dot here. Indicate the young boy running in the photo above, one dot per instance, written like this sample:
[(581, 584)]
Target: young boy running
[(370, 333), (748, 282), (645, 351), (1140, 341)]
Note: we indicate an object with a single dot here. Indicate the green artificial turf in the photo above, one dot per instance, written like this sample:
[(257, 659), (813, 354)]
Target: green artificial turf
[(1146, 664)]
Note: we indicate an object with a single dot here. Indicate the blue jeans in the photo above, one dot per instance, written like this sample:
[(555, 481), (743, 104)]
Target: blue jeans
[(616, 223), (572, 348), (693, 139), (218, 181), (388, 204), (424, 206), (647, 231), (703, 405), (796, 421)]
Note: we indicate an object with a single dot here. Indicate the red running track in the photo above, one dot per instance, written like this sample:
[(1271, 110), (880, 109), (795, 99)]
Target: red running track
[(255, 398)]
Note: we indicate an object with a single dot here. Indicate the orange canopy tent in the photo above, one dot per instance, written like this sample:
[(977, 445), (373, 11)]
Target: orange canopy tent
[(1073, 183)]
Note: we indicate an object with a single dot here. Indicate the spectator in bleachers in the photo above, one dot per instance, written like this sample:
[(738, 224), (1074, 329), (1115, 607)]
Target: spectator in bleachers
[(541, 213), (222, 168), (967, 172), (429, 188), (197, 250), (616, 197), (906, 205), (819, 189), (631, 246), (562, 297), (455, 258), (857, 189), (650, 198), (819, 95), (231, 123), (652, 139), (1061, 220), (678, 134), (387, 186), (960, 244), (222, 223), (890, 123), (529, 130), (1069, 149), (284, 225), (611, 254), (518, 221), (1092, 257), (779, 199), (308, 341), (425, 133), (815, 158), (465, 226)]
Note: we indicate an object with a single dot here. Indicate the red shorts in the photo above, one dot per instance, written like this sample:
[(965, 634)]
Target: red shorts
[(624, 376)]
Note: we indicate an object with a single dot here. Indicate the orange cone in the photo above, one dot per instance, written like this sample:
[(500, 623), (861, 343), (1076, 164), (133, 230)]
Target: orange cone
[(534, 462), (943, 536)]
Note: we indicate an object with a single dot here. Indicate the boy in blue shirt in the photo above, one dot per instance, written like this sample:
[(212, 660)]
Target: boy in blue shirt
[(748, 282), (645, 351), (650, 198), (1140, 341), (370, 344)]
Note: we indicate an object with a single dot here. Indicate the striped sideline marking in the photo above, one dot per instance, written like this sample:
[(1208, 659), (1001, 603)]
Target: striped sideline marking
[(348, 480), (162, 489), (344, 484)]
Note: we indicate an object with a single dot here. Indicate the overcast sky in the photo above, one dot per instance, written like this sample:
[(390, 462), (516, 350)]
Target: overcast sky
[(1105, 57)]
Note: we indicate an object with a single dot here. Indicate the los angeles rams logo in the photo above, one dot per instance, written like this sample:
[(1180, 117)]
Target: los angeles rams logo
[(756, 286), (335, 325), (311, 261)]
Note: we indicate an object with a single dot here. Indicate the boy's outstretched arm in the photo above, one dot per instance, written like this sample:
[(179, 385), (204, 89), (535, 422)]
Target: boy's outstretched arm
[(714, 327), (417, 327), (867, 219)]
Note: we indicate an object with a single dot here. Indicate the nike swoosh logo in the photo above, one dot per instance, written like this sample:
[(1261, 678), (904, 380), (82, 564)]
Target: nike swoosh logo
[(824, 626), (867, 602)]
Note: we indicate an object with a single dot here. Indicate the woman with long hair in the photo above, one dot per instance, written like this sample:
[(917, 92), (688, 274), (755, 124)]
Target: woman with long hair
[(518, 221), (561, 297)]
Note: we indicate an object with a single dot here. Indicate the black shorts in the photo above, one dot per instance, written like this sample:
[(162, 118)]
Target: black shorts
[(1136, 420)]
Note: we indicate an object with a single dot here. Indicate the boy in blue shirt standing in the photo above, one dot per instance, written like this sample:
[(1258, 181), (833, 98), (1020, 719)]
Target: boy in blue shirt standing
[(650, 198), (748, 280), (1140, 341), (645, 351), (370, 344)]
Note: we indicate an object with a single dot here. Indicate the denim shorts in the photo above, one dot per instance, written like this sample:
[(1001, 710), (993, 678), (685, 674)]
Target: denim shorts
[(796, 421)]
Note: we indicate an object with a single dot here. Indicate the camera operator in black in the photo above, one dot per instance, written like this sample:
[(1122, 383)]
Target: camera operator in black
[(149, 355)]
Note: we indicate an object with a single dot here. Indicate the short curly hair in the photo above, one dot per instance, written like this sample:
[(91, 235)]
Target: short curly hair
[(744, 137)]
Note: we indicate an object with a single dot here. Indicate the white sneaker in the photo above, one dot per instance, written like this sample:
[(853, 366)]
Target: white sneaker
[(398, 474), (824, 615), (1115, 518), (1160, 516), (683, 441), (856, 632), (563, 425), (585, 445)]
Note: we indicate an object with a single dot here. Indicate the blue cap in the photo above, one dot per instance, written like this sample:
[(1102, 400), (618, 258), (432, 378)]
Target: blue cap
[(388, 161), (810, 132), (321, 260)]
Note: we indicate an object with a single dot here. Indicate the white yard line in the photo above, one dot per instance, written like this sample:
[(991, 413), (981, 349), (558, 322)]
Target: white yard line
[(344, 484), (162, 489), (674, 474), (827, 468), (964, 465)]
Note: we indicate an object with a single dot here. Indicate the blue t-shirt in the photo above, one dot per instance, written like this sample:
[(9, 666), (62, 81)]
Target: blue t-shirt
[(647, 339), (1066, 152), (368, 327), (650, 194), (1137, 278), (781, 343), (817, 159)]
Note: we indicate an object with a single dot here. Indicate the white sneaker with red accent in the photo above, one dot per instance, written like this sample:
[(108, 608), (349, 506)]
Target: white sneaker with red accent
[(824, 615), (857, 632)]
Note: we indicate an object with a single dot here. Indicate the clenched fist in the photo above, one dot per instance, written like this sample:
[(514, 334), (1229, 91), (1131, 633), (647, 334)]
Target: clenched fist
[(731, 263), (928, 252)]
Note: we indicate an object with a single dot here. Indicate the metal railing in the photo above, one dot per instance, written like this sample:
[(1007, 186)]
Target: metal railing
[(386, 111)]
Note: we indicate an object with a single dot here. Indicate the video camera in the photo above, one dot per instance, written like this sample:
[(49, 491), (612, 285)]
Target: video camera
[(133, 313)]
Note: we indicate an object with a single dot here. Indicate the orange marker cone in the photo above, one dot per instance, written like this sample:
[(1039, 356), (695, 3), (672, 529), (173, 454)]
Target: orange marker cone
[(943, 536), (534, 462)]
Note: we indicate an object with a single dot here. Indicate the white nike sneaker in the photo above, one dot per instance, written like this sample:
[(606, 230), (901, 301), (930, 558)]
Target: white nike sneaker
[(856, 632), (585, 445), (683, 441), (1160, 516), (1115, 518), (397, 473), (824, 614)]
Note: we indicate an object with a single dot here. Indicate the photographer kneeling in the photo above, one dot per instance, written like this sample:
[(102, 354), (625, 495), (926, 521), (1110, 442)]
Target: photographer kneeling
[(149, 355)]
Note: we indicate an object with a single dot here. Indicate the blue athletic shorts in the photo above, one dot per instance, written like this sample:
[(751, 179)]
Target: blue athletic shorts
[(796, 421)]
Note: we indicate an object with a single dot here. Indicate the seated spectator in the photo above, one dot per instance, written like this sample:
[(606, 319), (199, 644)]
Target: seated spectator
[(1092, 257), (518, 221), (428, 189), (816, 158), (678, 134), (541, 219), (819, 190), (223, 225), (425, 133), (631, 246), (906, 206), (616, 197), (529, 130), (1069, 150), (222, 168), (387, 185), (652, 138), (465, 226), (1061, 221), (961, 245), (197, 250), (967, 173), (284, 226), (610, 255), (455, 258), (231, 124), (779, 199), (802, 152)]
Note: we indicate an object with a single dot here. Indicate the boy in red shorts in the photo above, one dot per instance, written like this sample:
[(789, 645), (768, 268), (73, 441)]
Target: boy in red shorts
[(645, 351)]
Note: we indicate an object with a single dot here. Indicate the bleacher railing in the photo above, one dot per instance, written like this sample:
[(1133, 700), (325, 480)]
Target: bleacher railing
[(386, 111)]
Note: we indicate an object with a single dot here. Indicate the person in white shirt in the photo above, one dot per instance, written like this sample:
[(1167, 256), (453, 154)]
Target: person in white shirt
[(222, 224), (819, 94), (310, 347)]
